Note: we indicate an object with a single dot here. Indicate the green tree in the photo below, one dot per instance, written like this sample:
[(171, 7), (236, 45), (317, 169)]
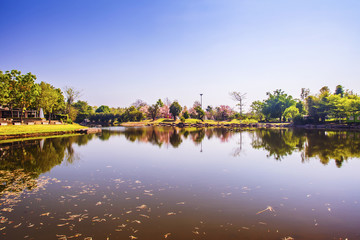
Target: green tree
[(103, 109), (4, 88), (175, 109), (83, 110), (26, 91), (291, 112), (132, 114), (154, 111), (339, 90), (257, 109), (50, 99), (160, 103), (276, 104), (186, 115), (318, 106), (200, 114)]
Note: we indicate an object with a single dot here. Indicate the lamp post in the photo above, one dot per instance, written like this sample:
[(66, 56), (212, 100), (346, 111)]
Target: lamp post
[(201, 99)]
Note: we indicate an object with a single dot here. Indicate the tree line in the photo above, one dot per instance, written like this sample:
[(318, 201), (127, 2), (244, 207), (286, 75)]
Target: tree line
[(314, 108), (21, 91)]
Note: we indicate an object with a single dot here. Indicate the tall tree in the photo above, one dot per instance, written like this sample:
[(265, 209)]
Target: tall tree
[(257, 109), (139, 103), (26, 91), (276, 104), (339, 90), (304, 93), (175, 109), (71, 95), (239, 97), (4, 88), (51, 99), (200, 114)]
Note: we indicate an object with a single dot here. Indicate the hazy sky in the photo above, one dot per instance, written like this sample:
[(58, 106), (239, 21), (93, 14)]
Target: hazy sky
[(119, 51)]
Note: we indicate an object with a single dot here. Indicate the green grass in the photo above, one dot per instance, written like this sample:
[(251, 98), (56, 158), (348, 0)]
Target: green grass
[(23, 129)]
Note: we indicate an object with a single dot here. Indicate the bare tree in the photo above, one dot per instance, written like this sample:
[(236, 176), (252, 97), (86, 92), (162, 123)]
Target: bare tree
[(139, 103), (71, 95), (167, 101), (305, 92), (240, 97)]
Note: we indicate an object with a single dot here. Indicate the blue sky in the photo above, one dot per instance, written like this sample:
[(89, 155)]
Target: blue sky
[(120, 51)]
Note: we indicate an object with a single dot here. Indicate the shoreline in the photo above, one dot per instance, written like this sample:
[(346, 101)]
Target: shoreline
[(51, 133), (230, 126), (250, 125)]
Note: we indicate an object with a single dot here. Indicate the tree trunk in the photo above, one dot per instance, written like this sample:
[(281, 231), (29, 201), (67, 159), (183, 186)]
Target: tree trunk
[(21, 115), (49, 117)]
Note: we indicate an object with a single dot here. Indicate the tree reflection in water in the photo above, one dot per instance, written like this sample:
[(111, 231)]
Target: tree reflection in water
[(278, 143), (23, 161), (39, 156)]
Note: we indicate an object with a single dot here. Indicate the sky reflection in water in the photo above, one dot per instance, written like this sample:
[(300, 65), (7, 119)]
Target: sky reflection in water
[(157, 183)]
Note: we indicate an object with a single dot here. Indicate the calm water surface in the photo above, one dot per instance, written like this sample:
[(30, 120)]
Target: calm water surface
[(168, 183)]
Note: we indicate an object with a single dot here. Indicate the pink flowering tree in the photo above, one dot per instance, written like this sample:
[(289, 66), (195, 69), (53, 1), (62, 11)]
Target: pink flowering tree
[(223, 112), (164, 112)]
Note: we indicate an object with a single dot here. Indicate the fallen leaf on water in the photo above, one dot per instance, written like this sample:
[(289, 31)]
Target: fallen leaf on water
[(145, 216), (142, 207), (16, 226), (132, 237), (45, 214), (75, 236), (7, 209), (98, 203), (61, 225), (171, 213), (180, 203), (137, 221), (269, 208), (166, 235)]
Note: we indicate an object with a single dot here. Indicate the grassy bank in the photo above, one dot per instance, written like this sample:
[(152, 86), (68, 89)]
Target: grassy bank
[(30, 129)]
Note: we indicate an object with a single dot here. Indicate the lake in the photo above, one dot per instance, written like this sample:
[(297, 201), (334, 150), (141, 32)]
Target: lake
[(171, 183)]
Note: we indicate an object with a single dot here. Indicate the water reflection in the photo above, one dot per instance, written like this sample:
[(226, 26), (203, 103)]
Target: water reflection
[(40, 156), (322, 145), (125, 187)]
